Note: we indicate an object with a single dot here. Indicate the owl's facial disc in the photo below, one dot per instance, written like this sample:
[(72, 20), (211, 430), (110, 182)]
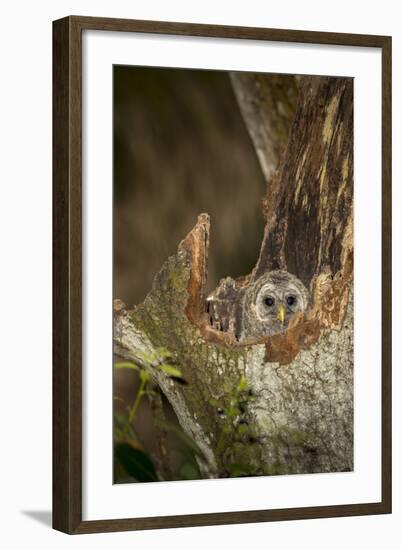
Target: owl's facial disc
[(276, 305), (271, 302)]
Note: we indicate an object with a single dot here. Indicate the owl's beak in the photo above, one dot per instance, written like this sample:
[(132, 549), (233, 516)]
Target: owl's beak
[(281, 313)]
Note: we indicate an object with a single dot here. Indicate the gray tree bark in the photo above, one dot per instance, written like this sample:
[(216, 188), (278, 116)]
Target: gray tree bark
[(267, 105), (282, 404)]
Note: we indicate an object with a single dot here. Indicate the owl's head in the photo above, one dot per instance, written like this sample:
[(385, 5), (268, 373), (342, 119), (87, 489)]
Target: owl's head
[(278, 296)]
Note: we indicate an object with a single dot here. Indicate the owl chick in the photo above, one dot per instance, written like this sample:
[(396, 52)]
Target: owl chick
[(270, 302)]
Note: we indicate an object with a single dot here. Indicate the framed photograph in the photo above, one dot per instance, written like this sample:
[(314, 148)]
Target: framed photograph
[(222, 274)]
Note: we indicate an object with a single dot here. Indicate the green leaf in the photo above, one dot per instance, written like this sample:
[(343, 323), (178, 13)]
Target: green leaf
[(243, 384), (126, 365), (174, 373), (135, 462), (165, 353), (232, 411), (144, 376), (171, 371), (243, 429)]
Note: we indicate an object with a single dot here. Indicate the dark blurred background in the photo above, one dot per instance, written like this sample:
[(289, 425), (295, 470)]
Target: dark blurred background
[(181, 148)]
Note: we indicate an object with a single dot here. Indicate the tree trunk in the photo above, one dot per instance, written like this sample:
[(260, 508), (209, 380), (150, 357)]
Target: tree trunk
[(267, 105), (284, 403)]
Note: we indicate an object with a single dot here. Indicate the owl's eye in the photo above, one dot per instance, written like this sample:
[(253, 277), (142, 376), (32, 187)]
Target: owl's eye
[(291, 300), (269, 301)]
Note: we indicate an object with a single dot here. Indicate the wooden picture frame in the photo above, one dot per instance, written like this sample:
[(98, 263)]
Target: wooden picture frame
[(67, 274)]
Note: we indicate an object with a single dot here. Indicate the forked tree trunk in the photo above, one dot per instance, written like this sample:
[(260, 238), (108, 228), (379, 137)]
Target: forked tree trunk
[(281, 404)]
